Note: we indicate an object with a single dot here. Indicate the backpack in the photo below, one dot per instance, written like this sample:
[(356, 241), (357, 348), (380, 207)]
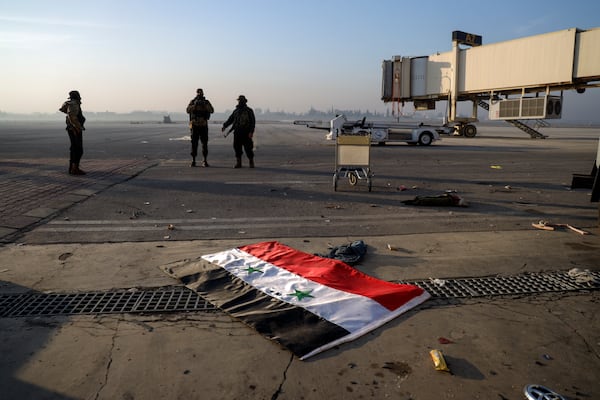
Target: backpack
[(244, 119)]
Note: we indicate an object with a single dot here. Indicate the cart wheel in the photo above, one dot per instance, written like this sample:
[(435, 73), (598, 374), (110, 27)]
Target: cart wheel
[(335, 178), (352, 178)]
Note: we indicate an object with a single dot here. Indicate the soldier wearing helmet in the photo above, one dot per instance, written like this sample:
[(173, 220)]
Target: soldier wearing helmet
[(242, 122), (199, 110)]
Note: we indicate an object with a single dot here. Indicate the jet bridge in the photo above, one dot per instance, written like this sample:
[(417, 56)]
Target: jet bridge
[(516, 81)]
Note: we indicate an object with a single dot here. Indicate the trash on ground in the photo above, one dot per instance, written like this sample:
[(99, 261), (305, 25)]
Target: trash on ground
[(548, 226), (582, 275), (446, 199), (438, 360), (170, 227), (443, 340), (438, 282), (538, 392), (495, 166), (391, 248), (351, 253)]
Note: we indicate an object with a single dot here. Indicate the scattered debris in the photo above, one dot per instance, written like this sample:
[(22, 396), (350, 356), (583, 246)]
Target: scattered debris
[(351, 253), (495, 166), (582, 276), (443, 340), (189, 211), (548, 226), (536, 392), (166, 237), (147, 203), (64, 256), (446, 199), (391, 248), (171, 227), (438, 282), (438, 360)]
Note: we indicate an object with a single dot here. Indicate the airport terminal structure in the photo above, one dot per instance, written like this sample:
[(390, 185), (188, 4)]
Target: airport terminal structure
[(521, 79)]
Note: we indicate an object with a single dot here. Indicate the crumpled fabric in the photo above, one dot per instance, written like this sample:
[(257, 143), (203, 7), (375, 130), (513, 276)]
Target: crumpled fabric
[(446, 199), (351, 253)]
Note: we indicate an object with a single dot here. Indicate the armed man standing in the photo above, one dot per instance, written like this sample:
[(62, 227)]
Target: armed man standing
[(75, 128), (243, 122), (199, 110)]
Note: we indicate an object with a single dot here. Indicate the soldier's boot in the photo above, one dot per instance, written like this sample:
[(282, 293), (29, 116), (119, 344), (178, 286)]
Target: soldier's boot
[(193, 162), (78, 171), (251, 163), (205, 163), (238, 162), (71, 168)]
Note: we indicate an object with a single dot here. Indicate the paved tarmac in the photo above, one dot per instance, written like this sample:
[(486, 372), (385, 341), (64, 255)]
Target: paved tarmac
[(494, 346)]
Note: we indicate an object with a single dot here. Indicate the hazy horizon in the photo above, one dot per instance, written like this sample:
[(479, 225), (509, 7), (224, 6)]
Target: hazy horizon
[(289, 56)]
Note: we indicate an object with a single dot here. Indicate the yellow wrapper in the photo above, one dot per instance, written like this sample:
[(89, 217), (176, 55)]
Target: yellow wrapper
[(438, 360)]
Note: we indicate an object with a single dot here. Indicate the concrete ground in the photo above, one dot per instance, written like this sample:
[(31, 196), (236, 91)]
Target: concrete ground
[(494, 346)]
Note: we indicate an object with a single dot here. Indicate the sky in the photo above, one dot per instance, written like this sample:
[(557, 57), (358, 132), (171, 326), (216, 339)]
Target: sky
[(148, 55)]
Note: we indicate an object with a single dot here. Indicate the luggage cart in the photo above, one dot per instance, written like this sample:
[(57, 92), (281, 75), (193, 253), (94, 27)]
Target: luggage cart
[(352, 159)]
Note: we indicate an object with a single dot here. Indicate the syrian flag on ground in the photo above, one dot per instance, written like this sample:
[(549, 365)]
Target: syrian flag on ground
[(304, 302)]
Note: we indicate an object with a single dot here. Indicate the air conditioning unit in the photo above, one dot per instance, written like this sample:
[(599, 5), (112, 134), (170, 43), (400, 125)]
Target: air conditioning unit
[(548, 107)]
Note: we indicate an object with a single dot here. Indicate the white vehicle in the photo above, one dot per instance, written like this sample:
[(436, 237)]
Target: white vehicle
[(383, 132)]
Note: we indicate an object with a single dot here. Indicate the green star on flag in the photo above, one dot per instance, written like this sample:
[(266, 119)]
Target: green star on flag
[(250, 270), (300, 294)]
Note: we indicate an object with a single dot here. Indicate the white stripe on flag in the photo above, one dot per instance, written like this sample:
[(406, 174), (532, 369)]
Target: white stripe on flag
[(355, 313)]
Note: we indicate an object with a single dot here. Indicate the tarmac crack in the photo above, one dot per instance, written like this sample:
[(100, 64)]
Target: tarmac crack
[(110, 360), (279, 390), (591, 348)]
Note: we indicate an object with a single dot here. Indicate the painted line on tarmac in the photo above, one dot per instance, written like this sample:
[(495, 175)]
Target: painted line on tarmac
[(320, 182), (211, 224)]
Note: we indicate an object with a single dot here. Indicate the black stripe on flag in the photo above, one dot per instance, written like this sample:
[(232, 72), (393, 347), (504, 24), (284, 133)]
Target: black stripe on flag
[(297, 329)]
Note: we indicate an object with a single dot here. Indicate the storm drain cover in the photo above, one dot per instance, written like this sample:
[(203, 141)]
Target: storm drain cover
[(157, 300), (182, 299), (529, 283)]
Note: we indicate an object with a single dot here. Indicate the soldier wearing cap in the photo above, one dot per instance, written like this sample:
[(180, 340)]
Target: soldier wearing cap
[(75, 127), (242, 123), (199, 110)]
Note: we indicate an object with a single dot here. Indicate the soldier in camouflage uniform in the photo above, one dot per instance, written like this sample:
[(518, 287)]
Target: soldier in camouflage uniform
[(75, 121), (199, 110), (242, 122)]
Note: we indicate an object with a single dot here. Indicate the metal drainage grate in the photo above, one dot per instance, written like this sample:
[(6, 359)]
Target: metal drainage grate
[(112, 302), (178, 299), (507, 285)]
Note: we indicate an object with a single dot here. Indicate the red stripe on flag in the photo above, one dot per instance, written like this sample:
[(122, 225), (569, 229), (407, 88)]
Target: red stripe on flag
[(333, 273)]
